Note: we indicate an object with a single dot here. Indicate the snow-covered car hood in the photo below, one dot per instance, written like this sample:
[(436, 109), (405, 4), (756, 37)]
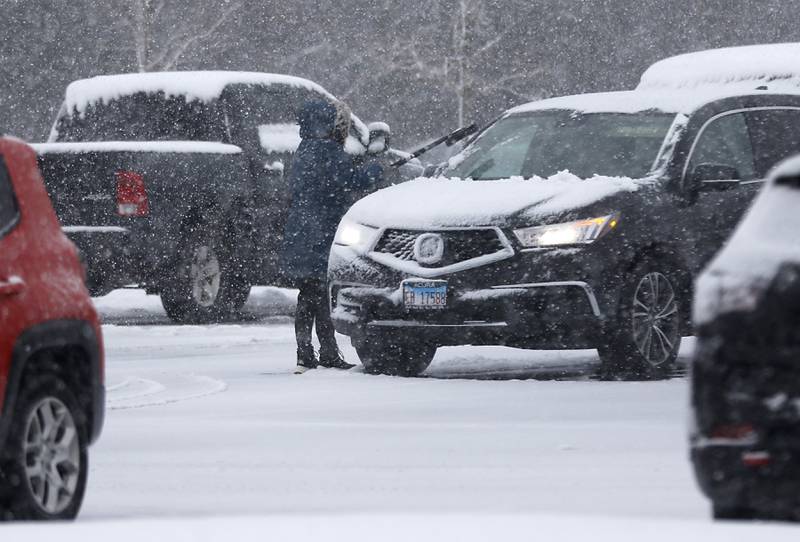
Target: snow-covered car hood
[(441, 202), (765, 240)]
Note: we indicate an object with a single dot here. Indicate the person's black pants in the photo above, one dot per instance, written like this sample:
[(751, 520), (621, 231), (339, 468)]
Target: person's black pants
[(313, 308)]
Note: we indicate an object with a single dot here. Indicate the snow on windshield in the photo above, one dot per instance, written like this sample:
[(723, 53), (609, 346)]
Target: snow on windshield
[(542, 144)]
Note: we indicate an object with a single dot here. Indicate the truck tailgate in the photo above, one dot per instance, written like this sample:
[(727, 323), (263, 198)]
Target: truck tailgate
[(82, 185)]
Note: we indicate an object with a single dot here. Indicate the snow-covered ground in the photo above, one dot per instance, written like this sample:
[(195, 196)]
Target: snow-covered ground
[(209, 436)]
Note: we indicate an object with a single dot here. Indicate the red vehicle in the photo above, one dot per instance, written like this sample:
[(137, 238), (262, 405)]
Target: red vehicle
[(51, 354)]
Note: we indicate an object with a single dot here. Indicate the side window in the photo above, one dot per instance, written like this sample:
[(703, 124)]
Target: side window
[(254, 110), (726, 142), (776, 136), (8, 203)]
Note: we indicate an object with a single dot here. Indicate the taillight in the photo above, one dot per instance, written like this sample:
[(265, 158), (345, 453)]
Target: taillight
[(131, 195), (744, 431)]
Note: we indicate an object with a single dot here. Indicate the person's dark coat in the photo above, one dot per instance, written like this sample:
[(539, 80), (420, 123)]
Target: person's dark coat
[(323, 178)]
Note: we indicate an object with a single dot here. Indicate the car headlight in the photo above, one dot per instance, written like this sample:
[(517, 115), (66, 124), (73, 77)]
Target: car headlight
[(580, 232), (355, 235)]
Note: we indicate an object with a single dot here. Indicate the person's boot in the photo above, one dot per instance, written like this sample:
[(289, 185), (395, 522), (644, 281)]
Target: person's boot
[(333, 359), (306, 359)]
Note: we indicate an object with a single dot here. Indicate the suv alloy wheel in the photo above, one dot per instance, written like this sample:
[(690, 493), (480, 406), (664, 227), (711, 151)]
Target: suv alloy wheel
[(644, 337), (46, 462), (204, 286)]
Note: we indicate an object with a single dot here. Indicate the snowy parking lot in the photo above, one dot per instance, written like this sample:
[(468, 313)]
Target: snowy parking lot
[(209, 432)]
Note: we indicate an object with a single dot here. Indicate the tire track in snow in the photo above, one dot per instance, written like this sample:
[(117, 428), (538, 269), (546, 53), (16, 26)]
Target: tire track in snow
[(140, 392)]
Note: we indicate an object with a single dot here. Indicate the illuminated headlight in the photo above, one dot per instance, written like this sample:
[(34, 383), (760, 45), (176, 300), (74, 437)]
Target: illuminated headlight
[(580, 232), (355, 235)]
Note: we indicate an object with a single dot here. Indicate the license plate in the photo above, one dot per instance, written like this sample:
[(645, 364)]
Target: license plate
[(425, 294)]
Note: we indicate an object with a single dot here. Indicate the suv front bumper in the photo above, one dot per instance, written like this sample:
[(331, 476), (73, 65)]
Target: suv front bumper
[(558, 315)]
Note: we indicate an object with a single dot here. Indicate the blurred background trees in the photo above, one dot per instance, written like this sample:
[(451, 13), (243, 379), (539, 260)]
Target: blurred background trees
[(424, 66)]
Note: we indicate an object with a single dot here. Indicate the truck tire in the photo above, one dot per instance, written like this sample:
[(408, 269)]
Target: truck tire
[(46, 461), (642, 339), (394, 356), (205, 285)]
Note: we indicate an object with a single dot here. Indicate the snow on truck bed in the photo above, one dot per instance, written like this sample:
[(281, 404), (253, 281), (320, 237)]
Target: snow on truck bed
[(176, 147), (194, 85)]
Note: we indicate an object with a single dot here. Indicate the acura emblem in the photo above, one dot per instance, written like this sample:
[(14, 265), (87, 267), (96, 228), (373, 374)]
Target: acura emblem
[(429, 249)]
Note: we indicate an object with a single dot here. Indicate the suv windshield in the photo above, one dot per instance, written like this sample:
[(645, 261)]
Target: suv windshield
[(543, 144)]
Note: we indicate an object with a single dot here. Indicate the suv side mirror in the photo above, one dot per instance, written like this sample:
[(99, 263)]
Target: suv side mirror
[(715, 177)]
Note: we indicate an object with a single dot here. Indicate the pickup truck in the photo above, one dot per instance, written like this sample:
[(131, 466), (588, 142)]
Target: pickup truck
[(177, 182)]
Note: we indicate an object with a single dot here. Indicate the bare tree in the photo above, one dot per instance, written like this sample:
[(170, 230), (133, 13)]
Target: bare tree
[(162, 31), (456, 47)]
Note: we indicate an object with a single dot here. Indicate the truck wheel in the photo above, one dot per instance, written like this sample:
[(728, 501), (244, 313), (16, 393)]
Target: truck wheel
[(46, 462), (205, 285), (394, 357), (642, 340)]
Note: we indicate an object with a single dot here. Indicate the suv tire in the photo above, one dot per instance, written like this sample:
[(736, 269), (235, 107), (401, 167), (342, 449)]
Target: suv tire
[(733, 513), (45, 462), (642, 340), (394, 356), (204, 285)]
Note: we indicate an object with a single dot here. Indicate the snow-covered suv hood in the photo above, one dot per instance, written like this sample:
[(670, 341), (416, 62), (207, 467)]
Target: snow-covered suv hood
[(440, 202)]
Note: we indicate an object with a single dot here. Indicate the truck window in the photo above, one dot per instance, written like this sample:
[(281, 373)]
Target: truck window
[(726, 142), (776, 136), (8, 203), (251, 107), (144, 117)]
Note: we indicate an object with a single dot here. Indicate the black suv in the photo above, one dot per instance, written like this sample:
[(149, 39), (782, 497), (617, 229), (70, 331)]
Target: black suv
[(575, 222), (745, 438)]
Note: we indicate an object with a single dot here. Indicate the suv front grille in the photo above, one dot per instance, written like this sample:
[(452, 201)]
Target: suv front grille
[(459, 245)]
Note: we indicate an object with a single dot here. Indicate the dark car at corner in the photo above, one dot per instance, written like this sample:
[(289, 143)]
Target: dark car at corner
[(575, 222), (52, 396), (745, 440)]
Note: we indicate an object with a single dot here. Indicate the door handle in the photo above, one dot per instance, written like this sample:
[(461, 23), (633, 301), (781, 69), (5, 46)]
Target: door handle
[(12, 286)]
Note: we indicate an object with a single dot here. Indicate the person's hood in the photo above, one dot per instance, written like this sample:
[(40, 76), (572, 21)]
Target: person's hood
[(317, 120), (431, 203)]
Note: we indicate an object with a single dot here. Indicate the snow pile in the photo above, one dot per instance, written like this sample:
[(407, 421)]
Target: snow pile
[(439, 202), (177, 147), (747, 67), (128, 306), (193, 85), (279, 138), (765, 240)]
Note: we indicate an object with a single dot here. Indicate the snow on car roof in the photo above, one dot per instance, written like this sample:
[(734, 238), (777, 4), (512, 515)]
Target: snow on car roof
[(753, 65), (194, 85), (637, 101)]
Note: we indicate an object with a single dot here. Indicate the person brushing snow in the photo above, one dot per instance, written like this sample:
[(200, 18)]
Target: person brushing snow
[(323, 179)]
